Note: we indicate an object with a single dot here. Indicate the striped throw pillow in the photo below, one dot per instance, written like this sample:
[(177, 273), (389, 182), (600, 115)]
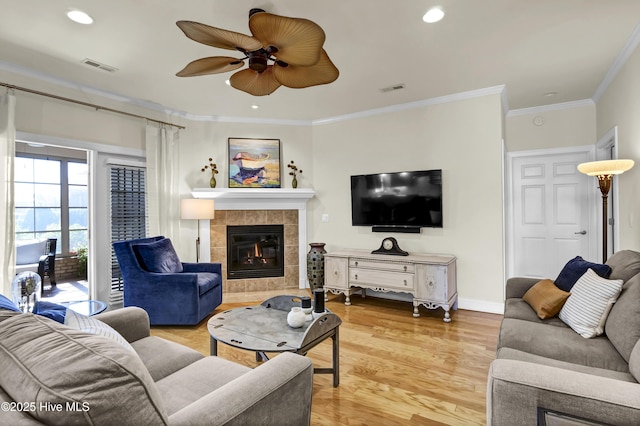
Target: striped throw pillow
[(94, 326), (591, 299)]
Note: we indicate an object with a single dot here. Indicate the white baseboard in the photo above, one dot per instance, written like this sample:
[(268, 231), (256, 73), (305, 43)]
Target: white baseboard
[(463, 303), (481, 305)]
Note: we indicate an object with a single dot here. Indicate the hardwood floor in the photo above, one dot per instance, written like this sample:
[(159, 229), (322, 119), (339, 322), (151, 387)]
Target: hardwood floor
[(394, 369)]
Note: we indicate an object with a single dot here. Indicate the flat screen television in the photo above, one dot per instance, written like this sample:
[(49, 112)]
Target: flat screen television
[(399, 200)]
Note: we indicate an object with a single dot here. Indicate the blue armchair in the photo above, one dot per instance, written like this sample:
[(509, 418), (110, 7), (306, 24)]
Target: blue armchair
[(172, 292)]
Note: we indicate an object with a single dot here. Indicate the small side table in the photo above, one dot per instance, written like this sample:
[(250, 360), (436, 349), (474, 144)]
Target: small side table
[(87, 307)]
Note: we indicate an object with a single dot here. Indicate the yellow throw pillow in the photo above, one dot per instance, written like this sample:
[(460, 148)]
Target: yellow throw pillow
[(545, 298)]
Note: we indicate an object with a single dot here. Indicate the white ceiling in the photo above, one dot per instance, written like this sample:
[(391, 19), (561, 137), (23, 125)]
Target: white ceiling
[(532, 47)]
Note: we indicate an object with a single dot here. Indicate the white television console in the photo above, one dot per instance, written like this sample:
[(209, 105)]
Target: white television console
[(430, 278)]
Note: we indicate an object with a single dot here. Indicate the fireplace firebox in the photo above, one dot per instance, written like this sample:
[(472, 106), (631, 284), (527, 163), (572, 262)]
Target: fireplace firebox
[(255, 251)]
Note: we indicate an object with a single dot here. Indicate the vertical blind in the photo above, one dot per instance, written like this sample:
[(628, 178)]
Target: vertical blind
[(128, 215)]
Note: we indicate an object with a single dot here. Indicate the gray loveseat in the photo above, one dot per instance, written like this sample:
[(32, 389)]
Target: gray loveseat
[(544, 368), (53, 374)]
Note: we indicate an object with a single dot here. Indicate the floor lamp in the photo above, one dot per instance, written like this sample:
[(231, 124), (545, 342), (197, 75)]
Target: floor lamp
[(197, 208), (604, 171)]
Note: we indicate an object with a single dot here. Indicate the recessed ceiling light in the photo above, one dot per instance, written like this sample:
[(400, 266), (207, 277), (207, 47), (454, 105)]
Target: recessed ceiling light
[(79, 16), (255, 106), (550, 94), (433, 15), (228, 82)]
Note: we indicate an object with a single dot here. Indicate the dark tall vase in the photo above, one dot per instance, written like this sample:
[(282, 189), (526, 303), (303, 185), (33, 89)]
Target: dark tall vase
[(315, 265)]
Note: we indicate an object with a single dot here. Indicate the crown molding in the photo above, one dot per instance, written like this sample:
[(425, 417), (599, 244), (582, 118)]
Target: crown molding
[(505, 101), (23, 71), (501, 90), (618, 63), (412, 105), (245, 120), (551, 107), (249, 120)]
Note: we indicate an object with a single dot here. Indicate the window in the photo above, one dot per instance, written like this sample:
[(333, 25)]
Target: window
[(128, 215), (78, 202), (51, 200)]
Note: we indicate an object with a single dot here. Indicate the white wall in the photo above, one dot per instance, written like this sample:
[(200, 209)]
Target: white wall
[(44, 116), (203, 140), (462, 138), (459, 137), (560, 128), (620, 106)]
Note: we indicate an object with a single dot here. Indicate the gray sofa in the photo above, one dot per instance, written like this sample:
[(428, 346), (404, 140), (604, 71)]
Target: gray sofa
[(53, 374), (545, 371)]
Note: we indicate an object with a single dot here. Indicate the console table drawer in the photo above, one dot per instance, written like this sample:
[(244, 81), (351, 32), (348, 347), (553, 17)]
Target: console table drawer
[(380, 279), (387, 266)]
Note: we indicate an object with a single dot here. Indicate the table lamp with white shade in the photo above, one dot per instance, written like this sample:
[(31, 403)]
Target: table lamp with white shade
[(197, 208), (604, 171)]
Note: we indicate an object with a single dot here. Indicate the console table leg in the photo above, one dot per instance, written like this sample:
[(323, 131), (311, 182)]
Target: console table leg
[(447, 317), (347, 300), (416, 313)]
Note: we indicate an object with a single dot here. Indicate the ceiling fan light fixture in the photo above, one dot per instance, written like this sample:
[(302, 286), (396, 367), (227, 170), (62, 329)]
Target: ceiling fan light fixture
[(433, 15), (254, 11), (79, 16), (258, 62), (282, 51)]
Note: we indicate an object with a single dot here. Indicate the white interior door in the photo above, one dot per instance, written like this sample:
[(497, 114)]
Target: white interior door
[(552, 215)]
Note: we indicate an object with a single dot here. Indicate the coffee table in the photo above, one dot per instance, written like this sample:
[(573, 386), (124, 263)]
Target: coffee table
[(263, 328)]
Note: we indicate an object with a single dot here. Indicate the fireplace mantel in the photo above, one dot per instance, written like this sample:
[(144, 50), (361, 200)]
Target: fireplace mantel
[(262, 199), (256, 198)]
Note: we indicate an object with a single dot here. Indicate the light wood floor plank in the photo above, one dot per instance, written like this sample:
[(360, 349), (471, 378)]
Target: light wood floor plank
[(395, 369)]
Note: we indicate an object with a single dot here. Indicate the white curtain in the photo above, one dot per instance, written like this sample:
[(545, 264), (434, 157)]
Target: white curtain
[(7, 221), (163, 198)]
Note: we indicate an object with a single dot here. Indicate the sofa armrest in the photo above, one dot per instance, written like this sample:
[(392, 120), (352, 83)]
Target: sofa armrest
[(277, 392), (131, 322), (213, 267), (516, 389), (178, 287), (518, 286)]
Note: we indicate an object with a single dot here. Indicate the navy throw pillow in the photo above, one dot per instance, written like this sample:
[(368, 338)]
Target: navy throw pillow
[(6, 303), (159, 256), (575, 268), (50, 310)]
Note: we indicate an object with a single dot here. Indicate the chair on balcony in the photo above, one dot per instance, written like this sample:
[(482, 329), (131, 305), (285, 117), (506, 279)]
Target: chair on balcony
[(38, 256), (172, 292)]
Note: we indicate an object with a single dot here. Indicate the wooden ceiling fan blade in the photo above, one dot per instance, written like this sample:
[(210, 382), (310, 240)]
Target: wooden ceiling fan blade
[(297, 77), (211, 65), (256, 84), (299, 41), (218, 37)]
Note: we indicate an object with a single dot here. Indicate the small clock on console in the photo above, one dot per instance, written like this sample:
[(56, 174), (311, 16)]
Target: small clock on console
[(390, 246)]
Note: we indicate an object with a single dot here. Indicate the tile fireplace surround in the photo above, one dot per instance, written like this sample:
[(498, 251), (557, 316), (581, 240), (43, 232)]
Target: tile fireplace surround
[(258, 206)]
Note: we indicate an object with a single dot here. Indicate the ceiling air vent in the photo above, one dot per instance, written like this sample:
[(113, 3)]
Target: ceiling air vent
[(99, 65), (392, 88)]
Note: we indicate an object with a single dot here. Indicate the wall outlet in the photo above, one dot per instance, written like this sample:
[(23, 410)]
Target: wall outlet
[(325, 217)]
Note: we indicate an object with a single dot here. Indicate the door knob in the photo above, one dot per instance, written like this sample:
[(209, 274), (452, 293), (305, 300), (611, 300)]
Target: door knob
[(583, 232)]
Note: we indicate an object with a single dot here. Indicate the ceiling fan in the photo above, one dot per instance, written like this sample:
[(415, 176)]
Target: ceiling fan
[(282, 52)]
